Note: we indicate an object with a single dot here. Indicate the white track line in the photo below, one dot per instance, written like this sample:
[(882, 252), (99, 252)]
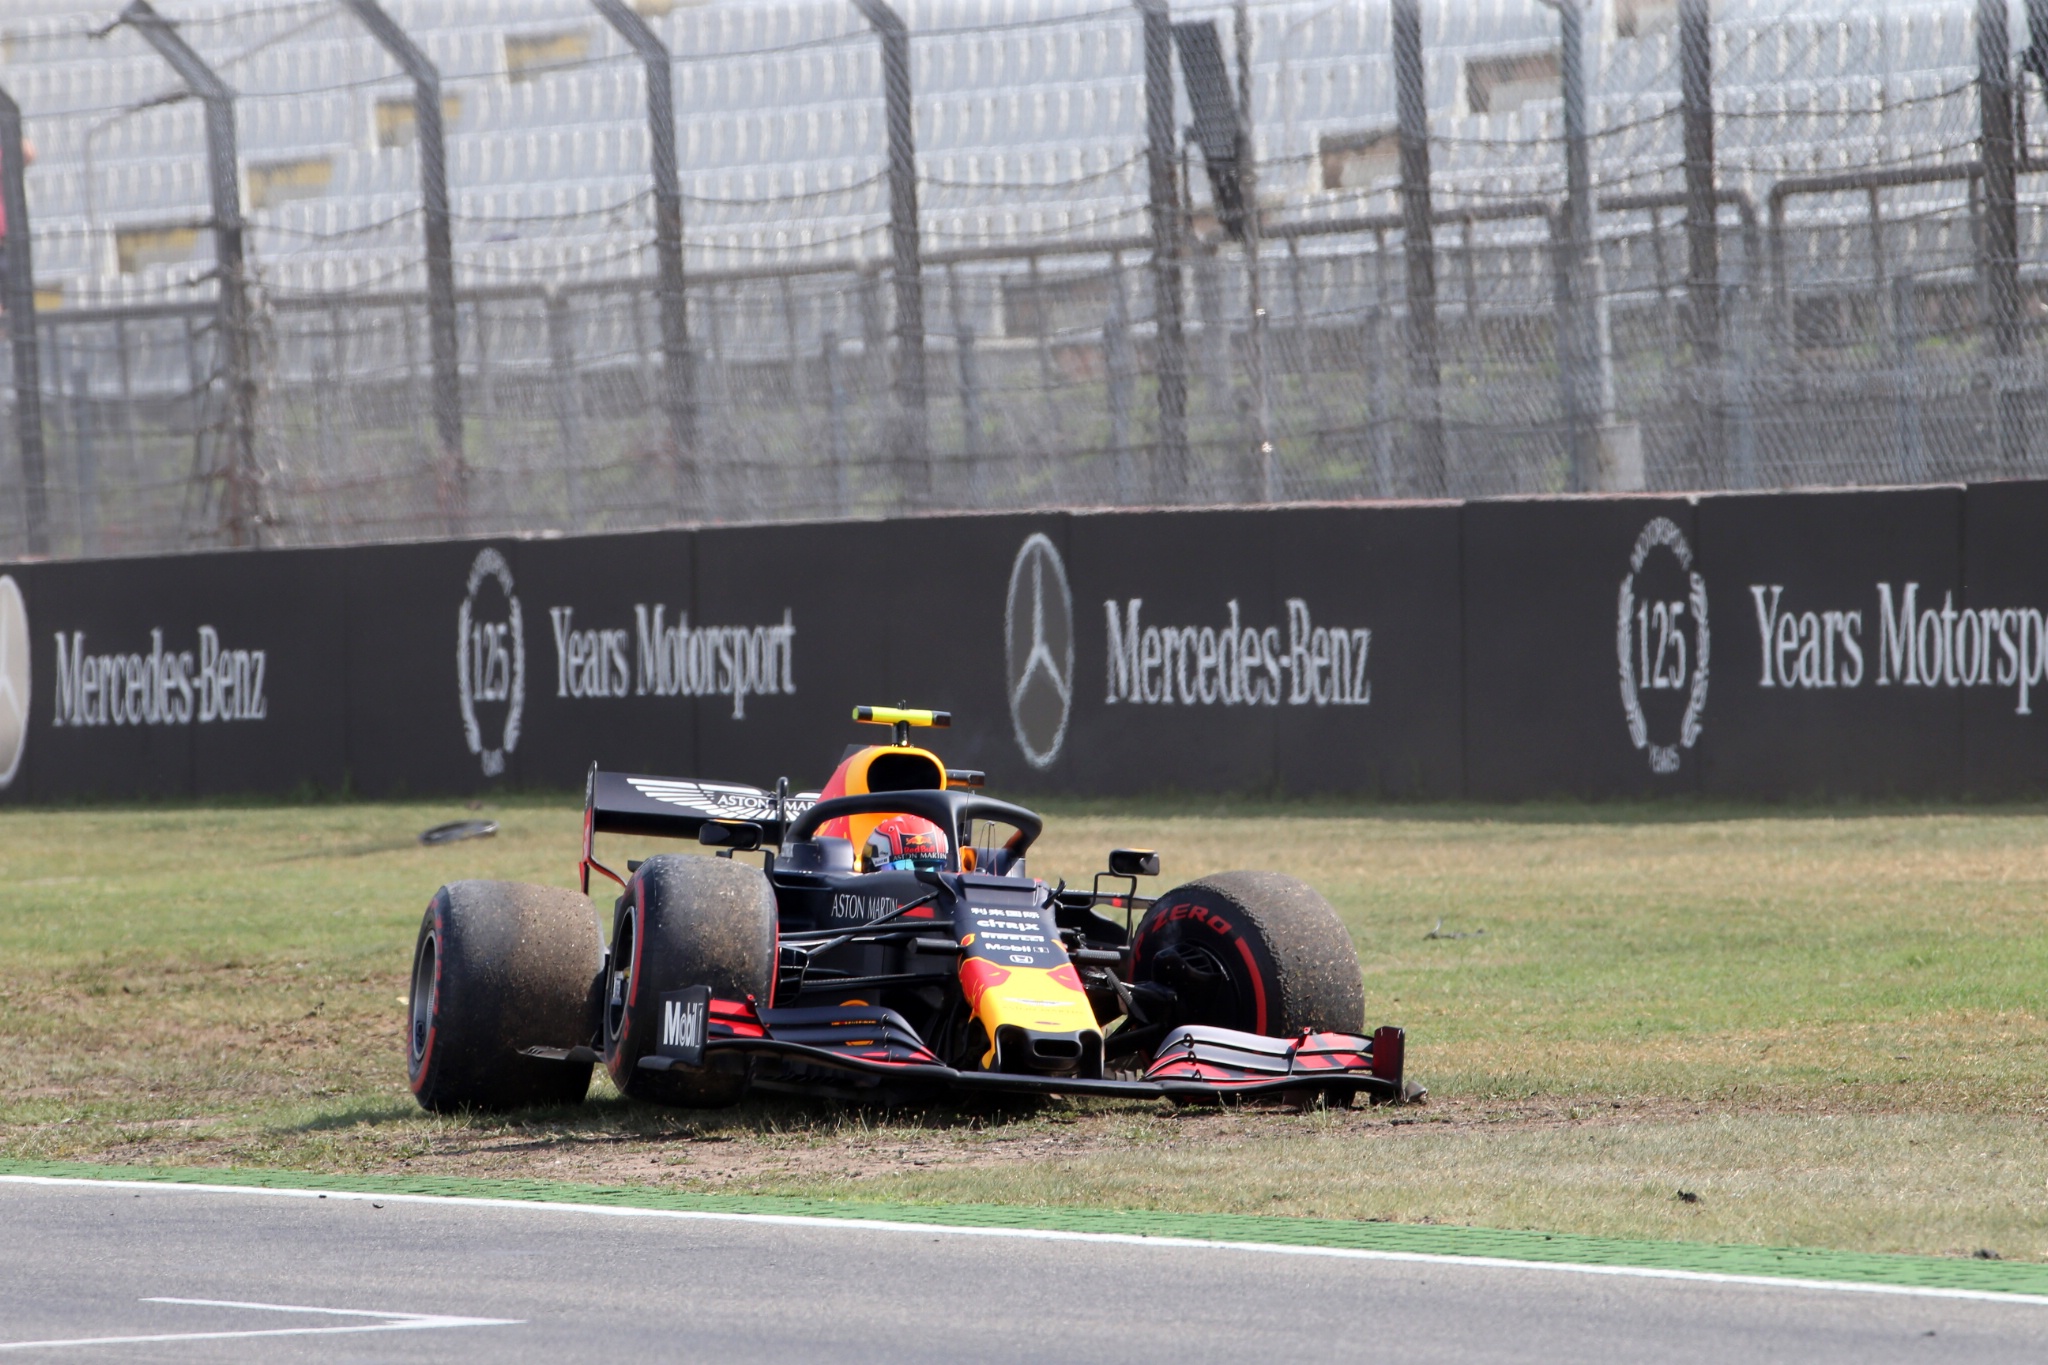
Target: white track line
[(1055, 1235), (386, 1322)]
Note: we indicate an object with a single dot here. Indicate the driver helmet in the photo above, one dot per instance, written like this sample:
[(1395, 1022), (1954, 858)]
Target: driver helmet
[(906, 843)]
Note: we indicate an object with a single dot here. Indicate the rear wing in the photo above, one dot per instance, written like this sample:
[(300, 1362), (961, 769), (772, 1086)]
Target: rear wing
[(679, 808)]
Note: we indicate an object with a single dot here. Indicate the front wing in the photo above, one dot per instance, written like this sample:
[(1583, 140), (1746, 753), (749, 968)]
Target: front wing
[(865, 1048)]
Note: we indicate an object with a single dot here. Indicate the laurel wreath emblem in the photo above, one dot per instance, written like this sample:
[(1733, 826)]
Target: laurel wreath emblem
[(1664, 758), (490, 564)]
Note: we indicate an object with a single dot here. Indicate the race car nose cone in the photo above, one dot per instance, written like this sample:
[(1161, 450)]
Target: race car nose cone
[(1048, 1053)]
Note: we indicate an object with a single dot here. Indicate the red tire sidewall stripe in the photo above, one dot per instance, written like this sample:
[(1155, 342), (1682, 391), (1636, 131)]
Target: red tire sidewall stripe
[(639, 917), (1244, 950), (1230, 933), (438, 906)]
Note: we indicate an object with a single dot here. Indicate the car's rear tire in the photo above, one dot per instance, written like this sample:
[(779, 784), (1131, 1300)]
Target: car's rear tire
[(685, 921), (1253, 951), (499, 967)]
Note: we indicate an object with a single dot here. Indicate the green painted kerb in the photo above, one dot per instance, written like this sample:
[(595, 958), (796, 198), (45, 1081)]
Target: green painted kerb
[(1919, 1272)]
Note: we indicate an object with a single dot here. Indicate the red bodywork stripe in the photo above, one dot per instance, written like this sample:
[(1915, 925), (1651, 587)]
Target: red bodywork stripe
[(737, 1017)]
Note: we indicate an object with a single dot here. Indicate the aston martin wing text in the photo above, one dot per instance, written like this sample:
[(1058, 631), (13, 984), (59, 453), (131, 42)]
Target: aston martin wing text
[(678, 807)]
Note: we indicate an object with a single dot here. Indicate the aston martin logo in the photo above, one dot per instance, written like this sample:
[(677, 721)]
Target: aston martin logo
[(1038, 629), (13, 678), (719, 800)]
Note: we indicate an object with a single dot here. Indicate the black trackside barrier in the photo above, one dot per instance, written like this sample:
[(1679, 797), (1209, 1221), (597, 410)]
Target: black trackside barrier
[(1815, 689), (1883, 643), (1250, 651), (1547, 710), (204, 675), (2005, 570)]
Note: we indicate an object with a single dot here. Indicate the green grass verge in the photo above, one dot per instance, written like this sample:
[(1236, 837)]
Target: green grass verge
[(1918, 1272), (1827, 1023)]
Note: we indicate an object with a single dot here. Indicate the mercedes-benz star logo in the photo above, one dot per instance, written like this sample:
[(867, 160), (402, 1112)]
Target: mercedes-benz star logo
[(1038, 631), (13, 678)]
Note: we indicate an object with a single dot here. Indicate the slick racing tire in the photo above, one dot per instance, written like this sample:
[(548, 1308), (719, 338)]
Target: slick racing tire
[(685, 921), (500, 967), (1253, 951)]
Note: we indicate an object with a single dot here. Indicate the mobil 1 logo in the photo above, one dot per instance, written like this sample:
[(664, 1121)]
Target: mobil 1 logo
[(684, 1017), (1661, 642)]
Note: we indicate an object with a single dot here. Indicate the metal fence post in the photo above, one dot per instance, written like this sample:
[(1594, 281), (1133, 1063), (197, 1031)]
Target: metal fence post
[(1577, 324), (1213, 351), (486, 378), (1905, 341), (1055, 436), (726, 494), (442, 342), (1122, 369), (18, 297), (2000, 264), (125, 377), (1702, 242), (972, 433), (912, 456), (60, 411), (970, 396), (414, 407), (1170, 471), (835, 426), (85, 458), (562, 361), (196, 386), (1425, 365), (1265, 472), (246, 515), (679, 398)]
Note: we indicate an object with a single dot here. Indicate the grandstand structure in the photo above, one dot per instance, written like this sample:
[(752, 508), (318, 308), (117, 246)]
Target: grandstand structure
[(1851, 237)]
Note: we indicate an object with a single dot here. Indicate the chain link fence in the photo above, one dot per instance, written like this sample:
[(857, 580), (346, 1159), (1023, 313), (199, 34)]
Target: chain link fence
[(1105, 320)]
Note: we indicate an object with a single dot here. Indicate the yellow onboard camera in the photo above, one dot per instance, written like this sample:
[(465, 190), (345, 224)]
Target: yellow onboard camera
[(903, 718)]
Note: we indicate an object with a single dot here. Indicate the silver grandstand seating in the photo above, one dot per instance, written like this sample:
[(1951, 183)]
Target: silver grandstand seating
[(780, 100), (1030, 126)]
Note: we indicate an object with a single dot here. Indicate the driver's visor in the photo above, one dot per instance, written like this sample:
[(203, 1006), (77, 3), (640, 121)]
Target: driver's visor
[(914, 864)]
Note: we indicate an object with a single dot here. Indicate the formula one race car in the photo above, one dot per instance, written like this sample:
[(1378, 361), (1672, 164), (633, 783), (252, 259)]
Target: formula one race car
[(891, 943)]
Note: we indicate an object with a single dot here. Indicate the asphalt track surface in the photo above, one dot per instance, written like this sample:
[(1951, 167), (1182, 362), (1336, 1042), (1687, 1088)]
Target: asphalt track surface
[(187, 1275)]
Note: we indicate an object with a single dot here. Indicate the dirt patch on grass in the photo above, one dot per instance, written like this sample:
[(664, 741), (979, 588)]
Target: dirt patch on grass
[(778, 1143), (861, 1149)]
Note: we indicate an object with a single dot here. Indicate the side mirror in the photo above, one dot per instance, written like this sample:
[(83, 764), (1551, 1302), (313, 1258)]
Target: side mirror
[(733, 834), (1133, 862)]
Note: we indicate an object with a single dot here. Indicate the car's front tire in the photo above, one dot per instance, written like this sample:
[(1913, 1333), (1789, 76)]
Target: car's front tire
[(499, 967), (1254, 951)]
